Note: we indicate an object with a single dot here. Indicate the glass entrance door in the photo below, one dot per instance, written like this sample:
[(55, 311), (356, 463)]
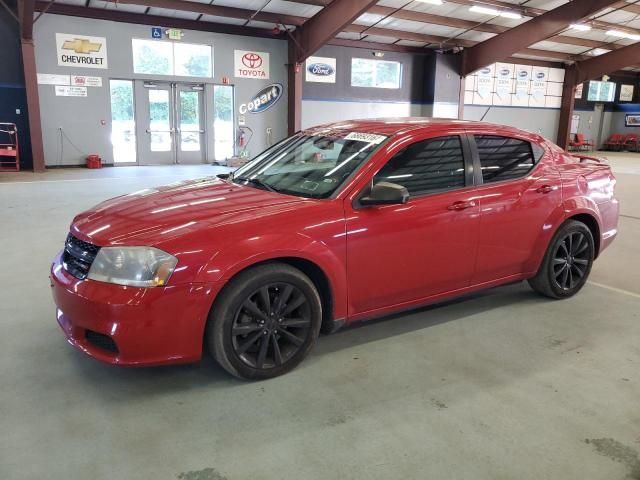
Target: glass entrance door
[(190, 139), (173, 116)]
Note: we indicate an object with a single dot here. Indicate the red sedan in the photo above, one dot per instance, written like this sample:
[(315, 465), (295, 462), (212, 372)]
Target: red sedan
[(333, 225)]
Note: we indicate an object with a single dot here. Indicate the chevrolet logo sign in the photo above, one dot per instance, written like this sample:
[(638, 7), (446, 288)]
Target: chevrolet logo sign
[(80, 45)]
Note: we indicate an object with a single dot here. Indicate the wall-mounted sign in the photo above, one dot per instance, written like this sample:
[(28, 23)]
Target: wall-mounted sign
[(84, 81), (575, 124), (53, 79), (632, 120), (263, 100), (321, 70), (69, 91), (579, 91), (504, 83), (156, 32), (81, 51), (626, 93), (175, 34), (251, 64), (538, 89), (484, 84)]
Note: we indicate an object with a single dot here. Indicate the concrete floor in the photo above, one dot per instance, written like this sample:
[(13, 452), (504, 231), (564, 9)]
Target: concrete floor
[(502, 385)]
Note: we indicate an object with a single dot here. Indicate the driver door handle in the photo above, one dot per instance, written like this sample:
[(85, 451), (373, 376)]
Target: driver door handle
[(546, 189), (462, 205)]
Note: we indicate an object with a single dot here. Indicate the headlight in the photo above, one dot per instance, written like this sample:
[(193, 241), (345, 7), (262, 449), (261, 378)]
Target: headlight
[(133, 266)]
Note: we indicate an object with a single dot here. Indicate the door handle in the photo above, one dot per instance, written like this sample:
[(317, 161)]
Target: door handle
[(546, 189), (462, 205)]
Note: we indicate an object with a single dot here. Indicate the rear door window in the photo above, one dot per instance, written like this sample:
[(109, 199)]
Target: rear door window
[(505, 158)]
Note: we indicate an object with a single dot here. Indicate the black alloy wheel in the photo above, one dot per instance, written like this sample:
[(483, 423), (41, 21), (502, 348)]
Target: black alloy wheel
[(571, 260), (567, 262), (264, 322), (271, 326)]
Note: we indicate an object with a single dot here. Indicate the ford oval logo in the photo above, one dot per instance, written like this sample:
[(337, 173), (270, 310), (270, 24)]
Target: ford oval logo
[(504, 72), (540, 75), (485, 71), (263, 100), (321, 69), (523, 74)]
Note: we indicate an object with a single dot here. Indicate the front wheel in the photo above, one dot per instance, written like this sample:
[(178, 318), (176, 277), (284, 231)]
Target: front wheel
[(567, 263), (265, 322)]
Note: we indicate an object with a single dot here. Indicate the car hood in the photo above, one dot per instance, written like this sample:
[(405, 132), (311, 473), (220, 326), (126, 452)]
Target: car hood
[(154, 215)]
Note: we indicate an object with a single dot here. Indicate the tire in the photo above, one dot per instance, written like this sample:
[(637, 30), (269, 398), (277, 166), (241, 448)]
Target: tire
[(567, 263), (264, 322)]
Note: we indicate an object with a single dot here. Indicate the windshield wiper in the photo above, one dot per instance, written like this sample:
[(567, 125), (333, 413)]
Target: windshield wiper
[(258, 183)]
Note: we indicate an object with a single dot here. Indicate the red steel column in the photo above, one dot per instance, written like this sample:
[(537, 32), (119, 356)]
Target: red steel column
[(566, 107), (294, 83)]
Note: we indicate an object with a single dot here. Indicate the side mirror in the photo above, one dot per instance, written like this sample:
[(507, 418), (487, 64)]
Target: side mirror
[(222, 176), (386, 193)]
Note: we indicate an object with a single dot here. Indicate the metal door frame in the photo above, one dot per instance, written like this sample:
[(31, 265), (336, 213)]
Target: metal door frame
[(142, 113)]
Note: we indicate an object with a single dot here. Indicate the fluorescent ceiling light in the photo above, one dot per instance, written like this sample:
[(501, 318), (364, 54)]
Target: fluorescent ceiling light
[(514, 15), (432, 2), (580, 27), (486, 10), (621, 34), (495, 12), (596, 52), (616, 33)]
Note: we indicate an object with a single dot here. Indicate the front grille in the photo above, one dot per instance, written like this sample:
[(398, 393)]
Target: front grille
[(78, 256), (100, 340)]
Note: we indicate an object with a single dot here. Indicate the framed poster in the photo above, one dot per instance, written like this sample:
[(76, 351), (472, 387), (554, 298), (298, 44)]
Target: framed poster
[(632, 120), (626, 93)]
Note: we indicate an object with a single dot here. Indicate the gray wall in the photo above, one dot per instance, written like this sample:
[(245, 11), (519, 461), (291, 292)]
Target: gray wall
[(331, 102), (543, 121), (80, 118), (618, 122)]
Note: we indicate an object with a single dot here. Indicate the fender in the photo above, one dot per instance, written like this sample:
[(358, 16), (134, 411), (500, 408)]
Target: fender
[(226, 263), (549, 228)]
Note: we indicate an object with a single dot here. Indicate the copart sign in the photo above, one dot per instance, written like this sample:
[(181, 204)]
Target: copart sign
[(251, 64), (263, 100), (81, 51)]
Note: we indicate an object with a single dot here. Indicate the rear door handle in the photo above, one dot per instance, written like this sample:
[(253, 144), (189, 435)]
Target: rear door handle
[(462, 205), (546, 189)]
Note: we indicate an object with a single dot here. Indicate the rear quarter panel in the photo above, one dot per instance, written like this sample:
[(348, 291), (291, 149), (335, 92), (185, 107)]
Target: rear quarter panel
[(589, 188)]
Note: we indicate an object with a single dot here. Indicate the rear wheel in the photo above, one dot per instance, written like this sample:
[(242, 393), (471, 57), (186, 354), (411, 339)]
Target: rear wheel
[(567, 262), (265, 322)]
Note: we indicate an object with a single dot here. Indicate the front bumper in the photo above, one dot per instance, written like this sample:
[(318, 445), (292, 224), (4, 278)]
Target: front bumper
[(132, 326)]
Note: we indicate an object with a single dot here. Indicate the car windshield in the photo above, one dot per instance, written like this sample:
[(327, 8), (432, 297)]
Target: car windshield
[(309, 165)]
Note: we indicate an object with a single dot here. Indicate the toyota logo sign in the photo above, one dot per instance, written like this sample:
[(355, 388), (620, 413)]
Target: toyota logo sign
[(249, 64), (252, 60)]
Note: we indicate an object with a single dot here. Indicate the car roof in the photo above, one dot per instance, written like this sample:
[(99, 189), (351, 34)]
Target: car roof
[(401, 125)]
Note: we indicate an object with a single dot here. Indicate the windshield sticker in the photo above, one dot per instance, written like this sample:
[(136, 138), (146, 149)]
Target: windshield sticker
[(366, 137)]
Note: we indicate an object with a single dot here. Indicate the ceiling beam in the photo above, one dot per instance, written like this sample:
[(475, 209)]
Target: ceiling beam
[(154, 20), (535, 12), (382, 47), (317, 3), (218, 11), (539, 28), (422, 17), (326, 24), (444, 42), (607, 63)]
